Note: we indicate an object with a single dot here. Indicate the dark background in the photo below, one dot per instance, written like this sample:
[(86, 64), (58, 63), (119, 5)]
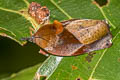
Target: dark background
[(14, 57)]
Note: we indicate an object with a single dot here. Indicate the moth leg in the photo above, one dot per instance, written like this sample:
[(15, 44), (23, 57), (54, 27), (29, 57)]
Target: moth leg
[(43, 52)]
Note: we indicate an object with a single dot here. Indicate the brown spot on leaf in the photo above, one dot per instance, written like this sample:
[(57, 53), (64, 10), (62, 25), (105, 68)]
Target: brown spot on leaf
[(22, 11), (78, 79), (74, 67), (101, 3), (90, 56), (118, 59)]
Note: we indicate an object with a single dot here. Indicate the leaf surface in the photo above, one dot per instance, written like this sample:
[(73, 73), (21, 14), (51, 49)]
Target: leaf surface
[(100, 68), (26, 74), (105, 63)]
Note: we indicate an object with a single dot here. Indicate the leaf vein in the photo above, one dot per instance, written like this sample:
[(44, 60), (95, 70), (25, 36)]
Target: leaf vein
[(107, 18), (93, 71), (101, 10), (26, 2), (63, 11), (9, 10)]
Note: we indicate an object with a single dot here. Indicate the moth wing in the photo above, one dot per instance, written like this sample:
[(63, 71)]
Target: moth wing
[(63, 44), (103, 43), (87, 31), (66, 45)]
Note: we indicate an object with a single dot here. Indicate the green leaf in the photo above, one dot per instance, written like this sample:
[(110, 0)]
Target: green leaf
[(14, 57), (26, 74), (104, 65), (13, 20)]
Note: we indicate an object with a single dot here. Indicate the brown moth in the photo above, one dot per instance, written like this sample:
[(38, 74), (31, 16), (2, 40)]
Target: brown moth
[(68, 38), (73, 37)]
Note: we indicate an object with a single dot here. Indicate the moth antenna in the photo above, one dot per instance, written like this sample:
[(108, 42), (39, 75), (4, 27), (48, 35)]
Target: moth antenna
[(28, 39), (31, 39)]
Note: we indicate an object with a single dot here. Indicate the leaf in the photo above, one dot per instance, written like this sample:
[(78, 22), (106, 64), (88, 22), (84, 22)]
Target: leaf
[(13, 22), (104, 65), (14, 58), (26, 74)]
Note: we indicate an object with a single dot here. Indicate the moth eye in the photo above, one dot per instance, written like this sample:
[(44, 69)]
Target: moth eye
[(107, 44), (47, 14)]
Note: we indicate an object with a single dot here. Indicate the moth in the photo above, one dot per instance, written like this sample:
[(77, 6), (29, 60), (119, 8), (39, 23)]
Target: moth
[(73, 37), (68, 38)]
